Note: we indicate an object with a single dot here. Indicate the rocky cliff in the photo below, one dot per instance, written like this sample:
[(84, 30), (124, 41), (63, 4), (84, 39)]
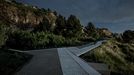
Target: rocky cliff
[(22, 14)]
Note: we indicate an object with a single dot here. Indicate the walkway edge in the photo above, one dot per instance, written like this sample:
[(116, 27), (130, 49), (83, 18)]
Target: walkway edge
[(84, 65)]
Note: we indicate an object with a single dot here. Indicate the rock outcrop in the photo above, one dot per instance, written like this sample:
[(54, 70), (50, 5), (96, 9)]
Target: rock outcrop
[(105, 32), (21, 14)]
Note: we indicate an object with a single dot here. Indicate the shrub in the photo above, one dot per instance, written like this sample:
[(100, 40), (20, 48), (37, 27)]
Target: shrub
[(3, 36), (128, 36), (21, 39), (56, 40)]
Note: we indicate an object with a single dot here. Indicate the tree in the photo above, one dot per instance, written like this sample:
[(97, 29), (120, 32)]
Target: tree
[(3, 36), (90, 27), (43, 26), (74, 27), (60, 25), (128, 36), (55, 13), (48, 10), (91, 31)]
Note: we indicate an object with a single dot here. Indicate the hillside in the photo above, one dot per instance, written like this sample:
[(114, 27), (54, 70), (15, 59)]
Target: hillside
[(118, 55), (19, 14), (28, 27)]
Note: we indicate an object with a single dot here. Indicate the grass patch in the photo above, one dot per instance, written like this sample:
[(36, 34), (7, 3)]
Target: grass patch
[(11, 62), (117, 55)]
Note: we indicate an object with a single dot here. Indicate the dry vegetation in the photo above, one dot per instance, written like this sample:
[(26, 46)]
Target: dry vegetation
[(119, 56)]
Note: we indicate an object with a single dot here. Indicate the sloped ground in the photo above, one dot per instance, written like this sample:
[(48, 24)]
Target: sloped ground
[(119, 56)]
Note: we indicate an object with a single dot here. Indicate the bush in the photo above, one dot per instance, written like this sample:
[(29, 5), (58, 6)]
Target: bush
[(40, 40), (128, 36), (72, 42), (56, 40), (3, 36), (21, 39)]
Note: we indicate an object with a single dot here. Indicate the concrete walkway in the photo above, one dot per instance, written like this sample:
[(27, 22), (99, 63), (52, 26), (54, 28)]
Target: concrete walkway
[(69, 65), (73, 65), (61, 61), (82, 50), (44, 62)]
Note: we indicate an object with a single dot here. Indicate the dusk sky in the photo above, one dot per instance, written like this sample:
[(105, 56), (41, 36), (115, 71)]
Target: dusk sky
[(117, 15)]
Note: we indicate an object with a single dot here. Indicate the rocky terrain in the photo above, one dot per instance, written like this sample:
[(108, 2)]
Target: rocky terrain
[(22, 14)]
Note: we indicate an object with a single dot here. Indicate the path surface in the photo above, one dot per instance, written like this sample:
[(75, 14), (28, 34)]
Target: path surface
[(45, 62), (73, 65), (60, 61), (85, 48), (69, 65)]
